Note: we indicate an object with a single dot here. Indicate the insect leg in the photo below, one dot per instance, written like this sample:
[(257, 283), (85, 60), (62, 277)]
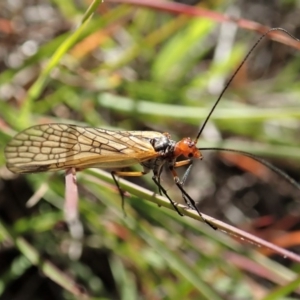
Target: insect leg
[(185, 175), (158, 175), (184, 193), (156, 179), (126, 174), (141, 173)]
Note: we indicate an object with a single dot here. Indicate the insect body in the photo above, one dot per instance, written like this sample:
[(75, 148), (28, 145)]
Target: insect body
[(53, 147)]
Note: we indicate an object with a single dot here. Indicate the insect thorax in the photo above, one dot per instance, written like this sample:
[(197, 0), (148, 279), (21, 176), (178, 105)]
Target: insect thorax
[(165, 147)]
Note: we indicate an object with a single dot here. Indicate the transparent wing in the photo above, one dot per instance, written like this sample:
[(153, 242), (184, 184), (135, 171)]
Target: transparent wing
[(62, 146)]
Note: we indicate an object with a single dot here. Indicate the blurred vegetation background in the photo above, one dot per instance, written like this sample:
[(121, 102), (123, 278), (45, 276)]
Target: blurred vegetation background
[(138, 68)]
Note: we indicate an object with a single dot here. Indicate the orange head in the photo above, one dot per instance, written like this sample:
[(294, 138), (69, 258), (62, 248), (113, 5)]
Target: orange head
[(187, 148)]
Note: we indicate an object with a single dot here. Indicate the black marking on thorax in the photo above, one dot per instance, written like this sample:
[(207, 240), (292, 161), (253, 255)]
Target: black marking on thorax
[(165, 147)]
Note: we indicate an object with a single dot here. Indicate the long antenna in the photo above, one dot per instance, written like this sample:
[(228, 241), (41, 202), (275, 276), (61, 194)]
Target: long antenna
[(236, 71), (260, 160)]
